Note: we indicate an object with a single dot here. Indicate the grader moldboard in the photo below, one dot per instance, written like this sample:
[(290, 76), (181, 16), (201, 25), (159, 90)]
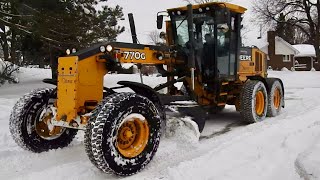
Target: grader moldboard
[(122, 130)]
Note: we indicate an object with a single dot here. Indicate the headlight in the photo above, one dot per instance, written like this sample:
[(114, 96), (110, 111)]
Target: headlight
[(109, 48), (74, 50), (159, 56), (102, 49), (68, 51)]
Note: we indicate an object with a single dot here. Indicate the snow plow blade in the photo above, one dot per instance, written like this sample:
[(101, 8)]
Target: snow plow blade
[(197, 113)]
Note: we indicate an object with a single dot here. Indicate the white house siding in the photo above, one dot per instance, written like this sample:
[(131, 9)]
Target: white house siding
[(283, 49)]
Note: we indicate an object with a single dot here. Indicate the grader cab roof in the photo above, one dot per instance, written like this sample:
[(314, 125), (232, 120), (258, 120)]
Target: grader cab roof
[(232, 7)]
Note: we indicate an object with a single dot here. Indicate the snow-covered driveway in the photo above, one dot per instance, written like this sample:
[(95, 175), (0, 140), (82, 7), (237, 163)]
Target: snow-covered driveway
[(285, 147)]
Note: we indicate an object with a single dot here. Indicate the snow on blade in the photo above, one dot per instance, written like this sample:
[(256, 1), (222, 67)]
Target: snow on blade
[(183, 129)]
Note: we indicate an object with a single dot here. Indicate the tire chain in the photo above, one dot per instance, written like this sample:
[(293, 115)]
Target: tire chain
[(95, 130)]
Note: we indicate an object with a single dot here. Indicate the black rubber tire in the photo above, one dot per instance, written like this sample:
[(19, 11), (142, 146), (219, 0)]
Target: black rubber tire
[(21, 123), (248, 104), (100, 141), (163, 117), (273, 85), (107, 92)]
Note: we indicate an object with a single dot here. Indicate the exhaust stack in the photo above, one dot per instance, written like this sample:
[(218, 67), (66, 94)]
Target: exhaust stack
[(133, 28)]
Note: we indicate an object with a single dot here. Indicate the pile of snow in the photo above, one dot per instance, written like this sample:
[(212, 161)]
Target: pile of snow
[(313, 69), (183, 129), (284, 69)]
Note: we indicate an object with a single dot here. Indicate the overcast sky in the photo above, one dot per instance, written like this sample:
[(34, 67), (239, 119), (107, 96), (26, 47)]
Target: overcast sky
[(145, 12)]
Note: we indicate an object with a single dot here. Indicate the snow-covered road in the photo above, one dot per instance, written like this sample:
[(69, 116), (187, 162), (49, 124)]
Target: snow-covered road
[(284, 147)]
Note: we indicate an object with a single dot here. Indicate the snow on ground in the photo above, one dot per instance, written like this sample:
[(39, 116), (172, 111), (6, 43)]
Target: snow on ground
[(284, 147)]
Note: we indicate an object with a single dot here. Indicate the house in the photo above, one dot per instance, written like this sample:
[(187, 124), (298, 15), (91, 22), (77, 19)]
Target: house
[(300, 57), (280, 53), (306, 59)]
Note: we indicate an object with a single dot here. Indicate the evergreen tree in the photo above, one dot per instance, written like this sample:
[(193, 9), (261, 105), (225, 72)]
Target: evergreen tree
[(46, 28)]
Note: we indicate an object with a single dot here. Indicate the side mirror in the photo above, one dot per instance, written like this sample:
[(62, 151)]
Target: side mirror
[(159, 21)]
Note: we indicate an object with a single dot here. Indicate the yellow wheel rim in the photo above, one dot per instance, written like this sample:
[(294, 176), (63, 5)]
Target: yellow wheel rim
[(43, 130), (132, 137), (277, 98), (260, 103)]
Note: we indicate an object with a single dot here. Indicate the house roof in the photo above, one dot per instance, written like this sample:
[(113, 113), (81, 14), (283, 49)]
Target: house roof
[(305, 50), (264, 48), (287, 44)]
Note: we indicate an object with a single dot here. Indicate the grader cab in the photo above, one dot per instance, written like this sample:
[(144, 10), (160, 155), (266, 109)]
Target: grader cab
[(122, 130)]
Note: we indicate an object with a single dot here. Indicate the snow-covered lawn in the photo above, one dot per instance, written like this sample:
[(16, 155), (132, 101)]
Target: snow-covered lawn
[(284, 147)]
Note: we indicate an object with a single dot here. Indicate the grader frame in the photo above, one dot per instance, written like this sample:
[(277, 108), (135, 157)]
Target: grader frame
[(123, 130)]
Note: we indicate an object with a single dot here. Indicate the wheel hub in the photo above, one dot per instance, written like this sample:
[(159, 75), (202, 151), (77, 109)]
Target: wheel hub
[(44, 128), (260, 103), (277, 98), (127, 135), (132, 137)]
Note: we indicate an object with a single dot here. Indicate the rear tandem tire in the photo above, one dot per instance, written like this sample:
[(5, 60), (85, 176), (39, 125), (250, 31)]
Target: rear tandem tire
[(253, 101), (123, 134), (275, 97)]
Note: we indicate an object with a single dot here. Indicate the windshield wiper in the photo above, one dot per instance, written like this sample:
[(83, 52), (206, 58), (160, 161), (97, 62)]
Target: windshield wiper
[(182, 21)]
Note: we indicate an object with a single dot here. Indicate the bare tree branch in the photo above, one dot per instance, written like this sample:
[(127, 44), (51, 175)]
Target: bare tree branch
[(24, 29), (302, 15), (154, 37), (14, 15)]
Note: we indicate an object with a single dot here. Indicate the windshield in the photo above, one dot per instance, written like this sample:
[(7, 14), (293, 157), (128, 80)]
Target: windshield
[(182, 32), (203, 28), (216, 41)]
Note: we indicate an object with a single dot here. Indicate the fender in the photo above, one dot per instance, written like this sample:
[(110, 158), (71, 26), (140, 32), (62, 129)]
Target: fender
[(149, 93), (259, 78), (143, 90)]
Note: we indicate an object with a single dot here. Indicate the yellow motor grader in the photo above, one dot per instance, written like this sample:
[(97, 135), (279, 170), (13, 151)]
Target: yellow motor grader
[(122, 130)]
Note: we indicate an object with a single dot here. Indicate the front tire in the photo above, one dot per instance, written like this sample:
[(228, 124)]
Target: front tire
[(28, 123), (253, 101), (123, 134)]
